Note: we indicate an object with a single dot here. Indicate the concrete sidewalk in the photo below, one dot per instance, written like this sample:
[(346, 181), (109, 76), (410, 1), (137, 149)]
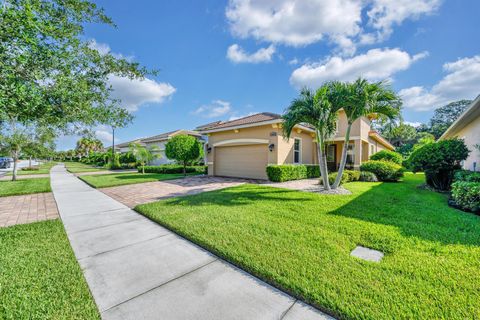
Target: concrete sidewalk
[(137, 269)]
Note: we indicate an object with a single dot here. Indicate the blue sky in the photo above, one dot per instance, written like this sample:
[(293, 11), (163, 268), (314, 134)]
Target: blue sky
[(224, 59)]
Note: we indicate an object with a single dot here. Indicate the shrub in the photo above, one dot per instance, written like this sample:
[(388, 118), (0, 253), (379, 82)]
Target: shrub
[(173, 168), (439, 161), (313, 171), (30, 169), (467, 195), (387, 155), (332, 176), (367, 176), (467, 175), (286, 172), (353, 175), (384, 170)]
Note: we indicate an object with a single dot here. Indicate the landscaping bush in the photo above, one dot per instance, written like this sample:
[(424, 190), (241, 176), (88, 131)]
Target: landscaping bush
[(467, 195), (439, 161), (173, 168), (30, 169), (467, 175), (345, 177), (287, 172), (387, 155), (367, 176), (353, 175), (384, 170)]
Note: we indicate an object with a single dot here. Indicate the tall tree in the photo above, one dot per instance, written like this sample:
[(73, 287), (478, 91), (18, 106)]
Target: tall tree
[(400, 134), (362, 98), (86, 145), (49, 74), (315, 109), (443, 117)]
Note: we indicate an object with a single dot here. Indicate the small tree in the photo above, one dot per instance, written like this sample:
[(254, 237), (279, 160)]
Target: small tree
[(183, 149), (143, 155), (13, 144), (439, 161)]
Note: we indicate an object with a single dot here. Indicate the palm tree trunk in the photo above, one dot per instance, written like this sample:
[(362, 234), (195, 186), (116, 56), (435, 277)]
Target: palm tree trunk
[(343, 160), (321, 162)]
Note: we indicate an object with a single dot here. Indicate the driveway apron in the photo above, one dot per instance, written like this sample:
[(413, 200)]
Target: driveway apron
[(136, 269)]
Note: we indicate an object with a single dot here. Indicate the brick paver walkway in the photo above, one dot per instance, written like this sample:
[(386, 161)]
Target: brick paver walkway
[(27, 208), (135, 194)]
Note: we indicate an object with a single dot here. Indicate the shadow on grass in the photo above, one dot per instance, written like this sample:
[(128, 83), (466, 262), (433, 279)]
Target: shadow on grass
[(415, 212)]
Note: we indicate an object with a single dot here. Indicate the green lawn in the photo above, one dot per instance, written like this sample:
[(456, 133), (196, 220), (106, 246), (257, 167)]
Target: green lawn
[(77, 167), (120, 179), (302, 241), (43, 168), (39, 275), (24, 186)]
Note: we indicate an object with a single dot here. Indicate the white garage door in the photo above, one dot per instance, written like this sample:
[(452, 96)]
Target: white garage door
[(248, 161)]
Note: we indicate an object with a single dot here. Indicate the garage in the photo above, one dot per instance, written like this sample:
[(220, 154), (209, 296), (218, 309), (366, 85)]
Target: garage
[(241, 161)]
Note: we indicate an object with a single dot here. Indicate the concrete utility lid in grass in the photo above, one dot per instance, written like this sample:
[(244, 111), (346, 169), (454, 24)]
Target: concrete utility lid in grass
[(367, 254)]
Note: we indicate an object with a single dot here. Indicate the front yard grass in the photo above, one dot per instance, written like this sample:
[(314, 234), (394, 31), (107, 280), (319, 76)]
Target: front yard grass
[(24, 186), (301, 242), (43, 168), (120, 179), (78, 167), (39, 275)]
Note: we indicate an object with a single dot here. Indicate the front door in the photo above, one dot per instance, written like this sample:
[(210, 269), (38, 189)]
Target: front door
[(332, 157)]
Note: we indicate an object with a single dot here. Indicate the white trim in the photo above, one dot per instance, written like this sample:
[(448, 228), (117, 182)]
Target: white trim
[(241, 141), (210, 163), (300, 145), (460, 119), (256, 124)]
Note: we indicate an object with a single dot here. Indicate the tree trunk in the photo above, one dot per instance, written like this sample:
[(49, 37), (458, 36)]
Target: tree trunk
[(143, 168), (184, 169), (321, 162), (343, 160), (30, 162), (113, 146), (14, 173)]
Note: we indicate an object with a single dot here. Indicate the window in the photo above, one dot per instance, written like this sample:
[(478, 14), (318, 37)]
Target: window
[(297, 151), (351, 154), (372, 149)]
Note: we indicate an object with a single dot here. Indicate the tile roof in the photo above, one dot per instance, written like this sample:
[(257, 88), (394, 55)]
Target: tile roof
[(255, 118), (166, 135)]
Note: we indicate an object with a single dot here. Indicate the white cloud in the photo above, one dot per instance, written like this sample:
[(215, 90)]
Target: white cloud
[(384, 14), (376, 64), (300, 22), (293, 62), (103, 134), (413, 124), (460, 82), (104, 48), (134, 93), (216, 109), (236, 54)]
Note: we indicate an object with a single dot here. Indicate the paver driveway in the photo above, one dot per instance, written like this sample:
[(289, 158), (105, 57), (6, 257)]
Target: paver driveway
[(135, 194), (27, 208), (137, 269)]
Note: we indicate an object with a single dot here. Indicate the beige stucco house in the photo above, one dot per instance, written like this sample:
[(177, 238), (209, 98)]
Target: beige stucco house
[(244, 147), (467, 127), (159, 141)]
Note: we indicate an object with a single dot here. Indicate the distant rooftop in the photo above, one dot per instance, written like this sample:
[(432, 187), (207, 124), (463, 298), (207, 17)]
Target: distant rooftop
[(255, 118)]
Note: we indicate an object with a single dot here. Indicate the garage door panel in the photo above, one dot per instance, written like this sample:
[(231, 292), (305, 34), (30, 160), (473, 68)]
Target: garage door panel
[(247, 161)]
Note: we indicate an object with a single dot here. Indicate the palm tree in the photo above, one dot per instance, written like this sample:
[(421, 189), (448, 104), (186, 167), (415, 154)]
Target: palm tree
[(313, 109), (143, 154), (359, 99)]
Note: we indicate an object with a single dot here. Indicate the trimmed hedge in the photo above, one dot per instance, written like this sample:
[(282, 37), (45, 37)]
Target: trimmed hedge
[(173, 168), (384, 170), (287, 172), (387, 155), (347, 176), (467, 195)]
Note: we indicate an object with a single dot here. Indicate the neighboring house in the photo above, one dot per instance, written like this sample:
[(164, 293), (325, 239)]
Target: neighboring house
[(159, 141), (467, 127), (244, 147)]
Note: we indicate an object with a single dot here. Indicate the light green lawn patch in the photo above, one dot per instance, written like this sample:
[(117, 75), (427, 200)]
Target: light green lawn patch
[(43, 168), (302, 241), (77, 167), (120, 179), (24, 186), (39, 275)]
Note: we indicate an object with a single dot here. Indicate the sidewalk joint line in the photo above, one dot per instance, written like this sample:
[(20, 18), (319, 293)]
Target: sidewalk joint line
[(288, 309), (108, 225), (162, 284)]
